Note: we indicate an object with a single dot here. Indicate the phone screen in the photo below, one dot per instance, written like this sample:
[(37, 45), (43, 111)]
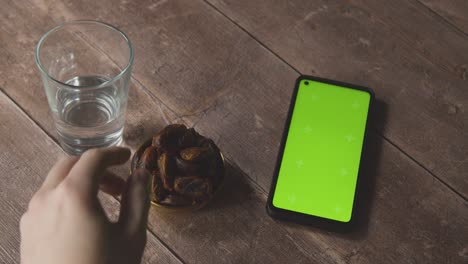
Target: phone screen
[(320, 164)]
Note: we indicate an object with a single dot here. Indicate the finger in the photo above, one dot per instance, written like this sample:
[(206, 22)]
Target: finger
[(111, 183), (85, 175), (58, 172), (135, 203)]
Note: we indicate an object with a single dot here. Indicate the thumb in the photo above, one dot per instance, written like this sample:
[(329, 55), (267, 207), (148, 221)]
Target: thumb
[(135, 203)]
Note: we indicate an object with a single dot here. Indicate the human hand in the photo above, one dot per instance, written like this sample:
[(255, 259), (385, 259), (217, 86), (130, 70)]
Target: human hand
[(65, 222)]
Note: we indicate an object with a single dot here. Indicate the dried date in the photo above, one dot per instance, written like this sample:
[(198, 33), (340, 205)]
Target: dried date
[(186, 167), (167, 171), (149, 158), (159, 192), (194, 154), (169, 138), (193, 186)]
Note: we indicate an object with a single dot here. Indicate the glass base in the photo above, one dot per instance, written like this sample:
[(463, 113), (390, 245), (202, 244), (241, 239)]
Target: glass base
[(76, 147)]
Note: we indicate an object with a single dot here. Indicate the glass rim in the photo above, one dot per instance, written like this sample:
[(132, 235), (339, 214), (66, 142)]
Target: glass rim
[(97, 22)]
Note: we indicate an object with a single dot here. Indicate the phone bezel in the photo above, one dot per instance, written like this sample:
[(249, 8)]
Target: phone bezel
[(324, 223)]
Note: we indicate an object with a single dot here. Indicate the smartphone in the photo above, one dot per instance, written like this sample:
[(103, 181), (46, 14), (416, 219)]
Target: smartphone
[(317, 171)]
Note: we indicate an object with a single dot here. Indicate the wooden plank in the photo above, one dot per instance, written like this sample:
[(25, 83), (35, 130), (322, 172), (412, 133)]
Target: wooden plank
[(143, 114), (20, 78), (426, 32), (412, 220), (414, 62), (246, 119), (209, 66), (26, 155), (406, 219), (233, 115), (453, 10), (233, 229), (405, 222)]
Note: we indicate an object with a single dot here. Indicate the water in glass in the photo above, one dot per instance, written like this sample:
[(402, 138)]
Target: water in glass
[(91, 117)]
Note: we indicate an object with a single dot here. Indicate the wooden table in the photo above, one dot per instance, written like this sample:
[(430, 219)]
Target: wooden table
[(227, 67)]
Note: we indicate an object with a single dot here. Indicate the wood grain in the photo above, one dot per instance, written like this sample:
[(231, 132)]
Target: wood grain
[(151, 118), (413, 60), (395, 215), (453, 10), (411, 221), (410, 213), (20, 78), (26, 155)]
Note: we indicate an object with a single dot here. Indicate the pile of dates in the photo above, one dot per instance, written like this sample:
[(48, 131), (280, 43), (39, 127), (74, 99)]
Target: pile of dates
[(187, 168)]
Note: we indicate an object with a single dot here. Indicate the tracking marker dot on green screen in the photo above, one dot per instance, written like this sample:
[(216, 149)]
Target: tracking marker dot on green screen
[(320, 164)]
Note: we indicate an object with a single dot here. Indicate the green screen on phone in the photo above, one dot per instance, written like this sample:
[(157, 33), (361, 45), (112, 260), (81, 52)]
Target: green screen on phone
[(319, 169)]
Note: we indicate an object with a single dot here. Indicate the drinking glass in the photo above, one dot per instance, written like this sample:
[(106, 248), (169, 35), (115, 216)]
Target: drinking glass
[(85, 68)]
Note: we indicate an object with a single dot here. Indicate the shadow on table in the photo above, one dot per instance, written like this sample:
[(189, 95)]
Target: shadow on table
[(368, 176), (369, 170), (234, 191), (237, 191), (135, 135)]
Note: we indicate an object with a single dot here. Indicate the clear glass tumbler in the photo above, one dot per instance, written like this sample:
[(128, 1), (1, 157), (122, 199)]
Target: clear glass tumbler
[(86, 67)]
